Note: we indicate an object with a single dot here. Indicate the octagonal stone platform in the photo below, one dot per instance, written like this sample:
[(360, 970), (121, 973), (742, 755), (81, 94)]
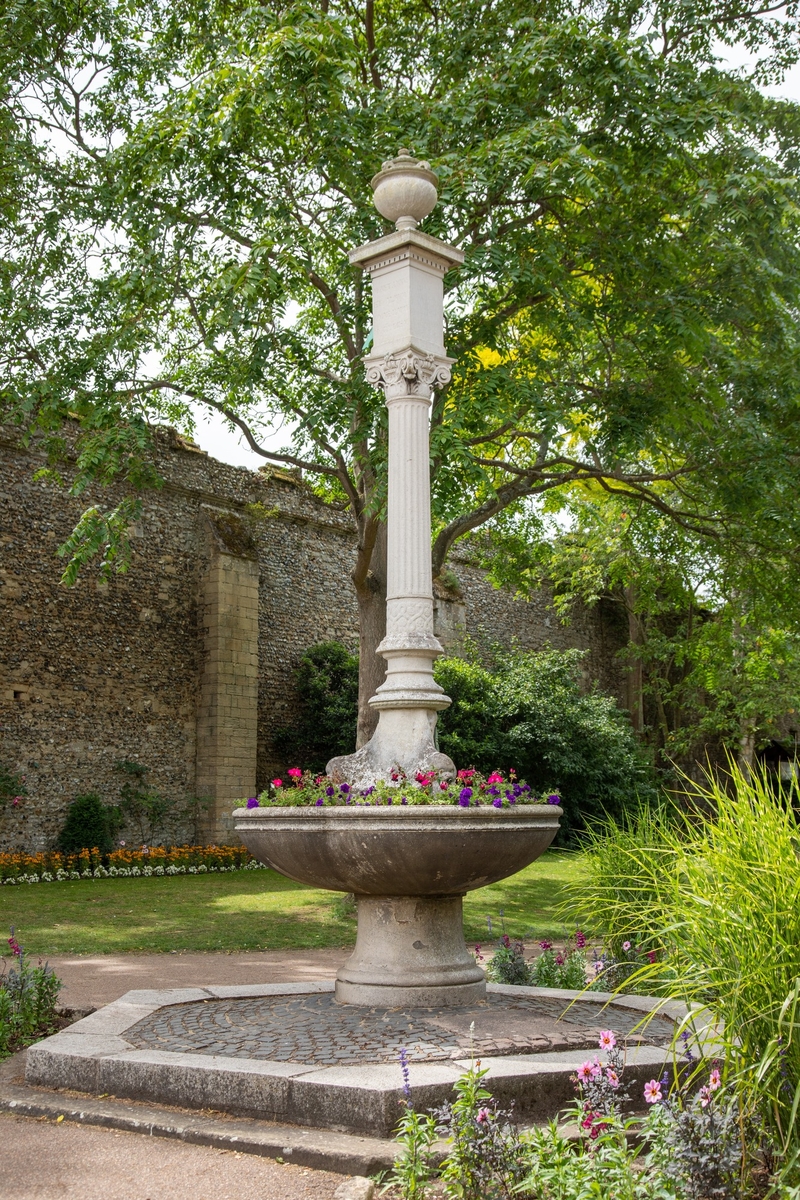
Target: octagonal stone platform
[(289, 1053)]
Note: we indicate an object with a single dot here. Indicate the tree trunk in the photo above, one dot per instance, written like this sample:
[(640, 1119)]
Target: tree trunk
[(747, 749), (635, 680), (372, 622)]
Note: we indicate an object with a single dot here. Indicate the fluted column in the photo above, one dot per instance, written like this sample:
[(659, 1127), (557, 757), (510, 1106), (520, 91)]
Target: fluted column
[(408, 362)]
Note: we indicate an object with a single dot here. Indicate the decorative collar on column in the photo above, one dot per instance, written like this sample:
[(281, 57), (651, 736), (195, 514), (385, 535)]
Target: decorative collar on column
[(409, 374)]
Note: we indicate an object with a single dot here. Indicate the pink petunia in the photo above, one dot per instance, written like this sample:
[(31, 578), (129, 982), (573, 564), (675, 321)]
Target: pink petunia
[(652, 1091), (495, 777), (607, 1039), (276, 783)]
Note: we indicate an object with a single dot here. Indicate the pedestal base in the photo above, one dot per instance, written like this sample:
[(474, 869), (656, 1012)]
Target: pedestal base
[(410, 951), (404, 739)]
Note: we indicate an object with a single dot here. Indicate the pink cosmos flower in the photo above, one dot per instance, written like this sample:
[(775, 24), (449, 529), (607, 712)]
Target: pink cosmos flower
[(276, 783), (607, 1039), (626, 945), (705, 1096), (597, 967), (652, 1091), (586, 1071), (483, 1115), (714, 1080), (612, 1077), (597, 1070), (294, 773)]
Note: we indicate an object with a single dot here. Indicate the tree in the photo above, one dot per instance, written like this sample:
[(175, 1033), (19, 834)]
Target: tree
[(713, 655), (626, 313)]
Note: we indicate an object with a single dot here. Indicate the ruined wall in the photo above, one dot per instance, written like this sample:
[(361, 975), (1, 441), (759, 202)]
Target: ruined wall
[(103, 672)]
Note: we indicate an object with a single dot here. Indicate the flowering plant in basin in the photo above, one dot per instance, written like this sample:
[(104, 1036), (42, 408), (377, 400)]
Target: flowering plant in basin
[(469, 789)]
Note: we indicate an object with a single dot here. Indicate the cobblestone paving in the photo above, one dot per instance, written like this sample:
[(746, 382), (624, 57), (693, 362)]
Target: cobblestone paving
[(315, 1030)]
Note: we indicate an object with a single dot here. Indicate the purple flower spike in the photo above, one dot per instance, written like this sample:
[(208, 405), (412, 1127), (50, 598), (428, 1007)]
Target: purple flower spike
[(252, 802)]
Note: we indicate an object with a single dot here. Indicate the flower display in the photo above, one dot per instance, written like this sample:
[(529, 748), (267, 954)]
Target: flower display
[(652, 1091), (126, 862), (469, 789)]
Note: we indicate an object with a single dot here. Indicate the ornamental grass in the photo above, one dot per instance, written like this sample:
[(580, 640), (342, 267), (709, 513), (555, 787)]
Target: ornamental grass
[(715, 892)]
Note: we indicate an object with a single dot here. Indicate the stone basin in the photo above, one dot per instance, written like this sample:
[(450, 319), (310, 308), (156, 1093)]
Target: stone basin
[(409, 868)]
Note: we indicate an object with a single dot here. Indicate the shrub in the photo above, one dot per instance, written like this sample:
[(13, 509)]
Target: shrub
[(327, 682), (146, 810), (528, 712), (12, 785), (89, 823), (28, 997)]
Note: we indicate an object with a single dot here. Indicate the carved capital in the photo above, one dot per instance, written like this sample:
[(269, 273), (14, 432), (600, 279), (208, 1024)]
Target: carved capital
[(408, 374)]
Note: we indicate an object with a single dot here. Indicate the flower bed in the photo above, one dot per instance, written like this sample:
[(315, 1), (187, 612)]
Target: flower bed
[(54, 867), (469, 789)]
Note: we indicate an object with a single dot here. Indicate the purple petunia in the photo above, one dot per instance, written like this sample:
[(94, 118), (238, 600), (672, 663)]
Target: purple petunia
[(329, 790), (319, 802), (344, 788), (252, 802), (498, 803), (554, 799), (464, 797)]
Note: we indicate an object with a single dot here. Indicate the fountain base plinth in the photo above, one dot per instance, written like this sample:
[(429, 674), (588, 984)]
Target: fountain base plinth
[(410, 951)]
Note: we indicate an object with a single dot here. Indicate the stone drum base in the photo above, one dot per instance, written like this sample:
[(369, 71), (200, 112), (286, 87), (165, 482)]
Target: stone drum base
[(290, 1053)]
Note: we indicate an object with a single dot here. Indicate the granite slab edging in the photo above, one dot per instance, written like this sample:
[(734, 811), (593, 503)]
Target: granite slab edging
[(93, 1056)]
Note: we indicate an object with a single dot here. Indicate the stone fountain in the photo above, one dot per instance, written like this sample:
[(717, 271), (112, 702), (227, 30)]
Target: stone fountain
[(408, 867)]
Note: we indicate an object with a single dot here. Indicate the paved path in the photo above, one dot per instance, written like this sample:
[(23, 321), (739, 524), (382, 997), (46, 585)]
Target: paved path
[(92, 980), (43, 1160)]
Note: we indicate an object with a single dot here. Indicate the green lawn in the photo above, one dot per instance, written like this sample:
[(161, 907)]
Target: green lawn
[(248, 910)]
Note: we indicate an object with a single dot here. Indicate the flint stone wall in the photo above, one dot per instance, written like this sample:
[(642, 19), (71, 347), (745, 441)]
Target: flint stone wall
[(102, 672)]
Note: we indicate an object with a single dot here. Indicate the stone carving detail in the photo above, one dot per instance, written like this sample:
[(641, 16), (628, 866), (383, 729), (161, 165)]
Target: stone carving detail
[(410, 615), (408, 374)]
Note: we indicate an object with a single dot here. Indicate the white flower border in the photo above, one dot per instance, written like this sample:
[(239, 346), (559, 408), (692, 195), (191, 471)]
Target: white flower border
[(127, 873)]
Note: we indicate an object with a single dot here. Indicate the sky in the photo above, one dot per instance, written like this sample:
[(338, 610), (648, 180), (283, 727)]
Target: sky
[(212, 432)]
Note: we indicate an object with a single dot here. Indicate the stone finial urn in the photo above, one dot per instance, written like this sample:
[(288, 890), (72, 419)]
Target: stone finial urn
[(409, 868)]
